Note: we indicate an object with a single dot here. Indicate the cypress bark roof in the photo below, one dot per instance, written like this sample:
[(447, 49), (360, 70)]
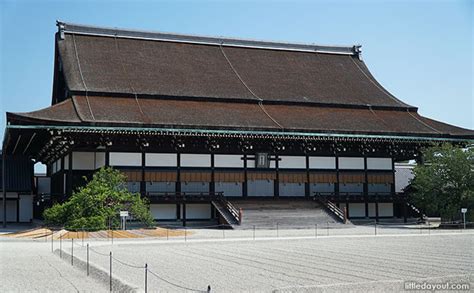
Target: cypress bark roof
[(119, 77), (110, 111)]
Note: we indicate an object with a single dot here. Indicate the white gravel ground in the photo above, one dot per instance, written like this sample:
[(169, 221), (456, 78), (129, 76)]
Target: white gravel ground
[(292, 264), (29, 266)]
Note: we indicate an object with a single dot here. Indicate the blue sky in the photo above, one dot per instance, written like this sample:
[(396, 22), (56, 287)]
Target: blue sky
[(421, 51)]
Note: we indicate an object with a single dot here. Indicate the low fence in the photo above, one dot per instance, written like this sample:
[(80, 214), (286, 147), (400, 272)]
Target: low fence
[(66, 241)]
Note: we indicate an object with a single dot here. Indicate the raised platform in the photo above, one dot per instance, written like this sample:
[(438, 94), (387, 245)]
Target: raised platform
[(287, 213)]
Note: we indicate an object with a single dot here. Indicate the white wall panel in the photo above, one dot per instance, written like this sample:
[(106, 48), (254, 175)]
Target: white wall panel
[(351, 163), (163, 211), (372, 209), (195, 160), (356, 210), (11, 210), (66, 162), (125, 159), (99, 160), (228, 161), (160, 160), (83, 161), (385, 209), (194, 187), (198, 211), (379, 163), (292, 162), (322, 162), (291, 189), (26, 208), (260, 188), (229, 188)]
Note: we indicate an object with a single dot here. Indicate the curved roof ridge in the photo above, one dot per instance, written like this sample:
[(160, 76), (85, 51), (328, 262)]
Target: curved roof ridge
[(64, 27)]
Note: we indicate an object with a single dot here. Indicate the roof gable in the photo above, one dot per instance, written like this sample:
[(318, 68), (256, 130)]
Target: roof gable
[(96, 61)]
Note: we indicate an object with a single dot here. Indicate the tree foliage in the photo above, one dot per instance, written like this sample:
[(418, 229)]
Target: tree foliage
[(98, 202), (445, 182)]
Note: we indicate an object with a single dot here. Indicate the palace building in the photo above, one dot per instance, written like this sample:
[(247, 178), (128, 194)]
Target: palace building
[(201, 124)]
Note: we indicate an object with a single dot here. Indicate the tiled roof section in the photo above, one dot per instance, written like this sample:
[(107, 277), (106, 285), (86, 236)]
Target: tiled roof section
[(113, 65), (114, 111)]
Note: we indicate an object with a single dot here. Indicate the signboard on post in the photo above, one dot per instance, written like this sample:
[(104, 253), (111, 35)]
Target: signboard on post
[(123, 217), (464, 211)]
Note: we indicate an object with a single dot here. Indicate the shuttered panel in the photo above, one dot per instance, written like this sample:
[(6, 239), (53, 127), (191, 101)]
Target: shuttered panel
[(351, 177), (229, 177), (133, 176), (322, 178), (196, 177), (292, 177), (380, 178), (170, 176), (261, 176)]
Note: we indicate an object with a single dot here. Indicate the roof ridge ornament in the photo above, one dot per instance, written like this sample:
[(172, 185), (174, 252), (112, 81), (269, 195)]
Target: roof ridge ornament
[(201, 39)]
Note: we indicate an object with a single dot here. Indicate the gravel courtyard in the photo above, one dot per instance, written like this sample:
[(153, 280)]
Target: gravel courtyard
[(326, 264)]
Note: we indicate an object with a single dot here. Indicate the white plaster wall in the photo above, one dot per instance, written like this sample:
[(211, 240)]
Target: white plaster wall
[(198, 211), (66, 162), (351, 163), (260, 188), (26, 208), (194, 187), (251, 163), (160, 160), (372, 209), (11, 210), (125, 159), (291, 189), (322, 162), (379, 163), (163, 211), (228, 161), (229, 188), (292, 162), (356, 209), (385, 209), (195, 160), (99, 160), (321, 187), (160, 186), (83, 161)]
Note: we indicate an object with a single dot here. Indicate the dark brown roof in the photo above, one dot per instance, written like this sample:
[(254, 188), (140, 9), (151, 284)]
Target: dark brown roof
[(128, 78), (99, 62), (123, 111)]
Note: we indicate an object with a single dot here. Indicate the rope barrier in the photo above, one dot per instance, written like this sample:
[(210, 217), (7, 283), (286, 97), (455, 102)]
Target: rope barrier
[(174, 284), (128, 265), (99, 253)]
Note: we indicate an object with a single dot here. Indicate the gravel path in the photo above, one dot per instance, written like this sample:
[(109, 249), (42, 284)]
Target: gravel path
[(325, 264), (29, 266)]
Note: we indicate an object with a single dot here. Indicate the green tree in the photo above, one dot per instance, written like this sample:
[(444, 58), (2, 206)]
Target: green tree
[(445, 182), (98, 202)]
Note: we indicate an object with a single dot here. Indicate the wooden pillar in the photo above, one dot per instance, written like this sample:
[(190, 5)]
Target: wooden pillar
[(4, 187), (376, 208), (18, 208), (142, 181), (184, 214), (307, 189), (69, 175), (405, 209), (276, 184), (244, 184), (212, 185), (178, 172), (107, 158), (62, 183), (366, 188), (336, 186)]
